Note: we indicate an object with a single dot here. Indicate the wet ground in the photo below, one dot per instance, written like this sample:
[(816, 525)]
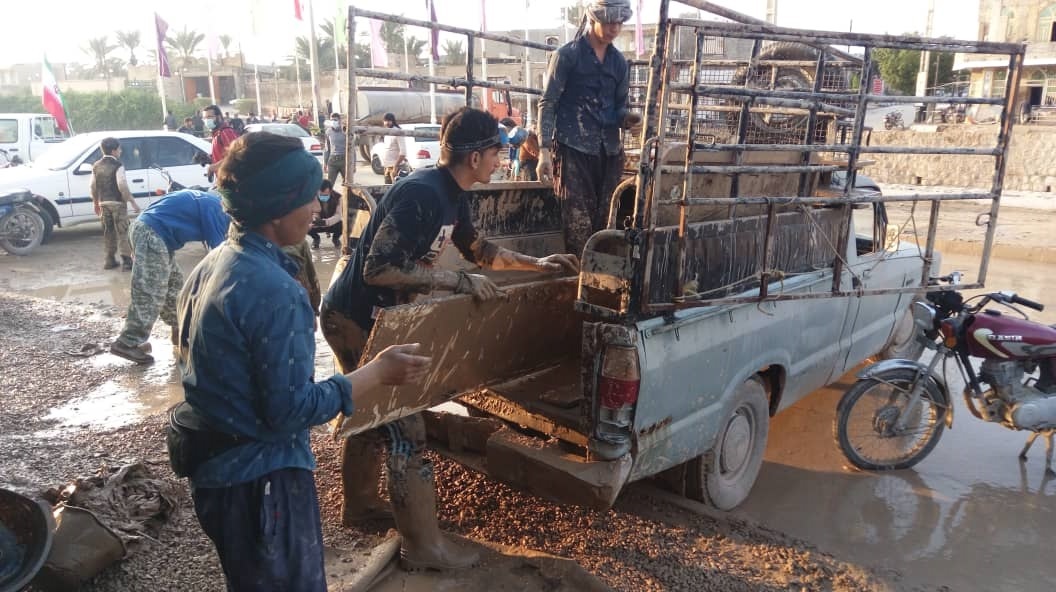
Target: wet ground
[(969, 517)]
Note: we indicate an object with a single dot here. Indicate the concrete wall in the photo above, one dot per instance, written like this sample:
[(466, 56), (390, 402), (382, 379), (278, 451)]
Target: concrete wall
[(1031, 166)]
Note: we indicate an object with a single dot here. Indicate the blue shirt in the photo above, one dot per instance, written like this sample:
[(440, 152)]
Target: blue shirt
[(585, 99), (247, 368), (187, 216)]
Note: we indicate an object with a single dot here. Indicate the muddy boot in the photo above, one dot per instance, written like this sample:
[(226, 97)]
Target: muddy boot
[(111, 263), (413, 493), (360, 466), (132, 353), (126, 263)]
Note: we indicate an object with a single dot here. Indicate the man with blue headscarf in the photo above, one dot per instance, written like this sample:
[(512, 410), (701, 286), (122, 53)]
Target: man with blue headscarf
[(582, 111), (247, 359)]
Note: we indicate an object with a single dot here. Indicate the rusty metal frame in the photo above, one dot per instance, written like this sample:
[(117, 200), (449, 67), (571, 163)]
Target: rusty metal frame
[(470, 82), (811, 104)]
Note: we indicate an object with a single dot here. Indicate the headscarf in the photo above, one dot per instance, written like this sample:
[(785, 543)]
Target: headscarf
[(610, 11), (271, 193)]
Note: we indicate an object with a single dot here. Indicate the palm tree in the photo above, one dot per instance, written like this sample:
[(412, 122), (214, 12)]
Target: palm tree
[(130, 40), (185, 43), (328, 29), (100, 48), (454, 54), (324, 49), (225, 42)]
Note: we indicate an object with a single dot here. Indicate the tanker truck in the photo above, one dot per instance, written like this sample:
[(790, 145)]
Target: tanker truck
[(412, 106)]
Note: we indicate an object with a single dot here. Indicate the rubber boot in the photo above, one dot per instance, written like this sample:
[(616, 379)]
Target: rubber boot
[(126, 263), (111, 263), (360, 469), (413, 494)]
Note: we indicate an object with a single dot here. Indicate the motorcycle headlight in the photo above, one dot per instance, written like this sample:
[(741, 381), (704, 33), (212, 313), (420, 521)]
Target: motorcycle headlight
[(924, 316)]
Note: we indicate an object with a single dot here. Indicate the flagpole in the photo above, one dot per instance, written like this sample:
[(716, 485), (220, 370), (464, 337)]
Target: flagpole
[(484, 57), (337, 60), (209, 68), (256, 81), (432, 65), (527, 120), (297, 68), (313, 52)]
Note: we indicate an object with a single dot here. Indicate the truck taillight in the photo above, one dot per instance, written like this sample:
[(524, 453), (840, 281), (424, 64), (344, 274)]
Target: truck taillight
[(620, 377), (423, 154), (316, 147)]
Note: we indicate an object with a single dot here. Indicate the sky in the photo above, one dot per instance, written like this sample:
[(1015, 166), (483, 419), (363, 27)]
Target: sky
[(61, 28)]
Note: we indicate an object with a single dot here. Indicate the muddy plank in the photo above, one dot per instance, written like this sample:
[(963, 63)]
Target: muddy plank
[(472, 344)]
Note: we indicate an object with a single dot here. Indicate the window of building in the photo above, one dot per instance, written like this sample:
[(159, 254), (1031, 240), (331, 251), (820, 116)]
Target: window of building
[(997, 84), (1047, 23)]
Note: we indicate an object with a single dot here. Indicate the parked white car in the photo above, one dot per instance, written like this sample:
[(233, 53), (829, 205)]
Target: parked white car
[(311, 143), (421, 152), (59, 179)]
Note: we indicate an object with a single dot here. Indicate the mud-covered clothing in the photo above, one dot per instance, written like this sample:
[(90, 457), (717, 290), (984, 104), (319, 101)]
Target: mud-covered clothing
[(301, 254), (108, 182), (415, 221), (188, 216), (247, 358), (223, 136), (584, 183), (267, 531), (156, 283), (114, 216), (585, 101)]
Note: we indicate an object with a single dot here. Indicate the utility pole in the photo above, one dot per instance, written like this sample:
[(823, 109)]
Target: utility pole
[(925, 56), (771, 11)]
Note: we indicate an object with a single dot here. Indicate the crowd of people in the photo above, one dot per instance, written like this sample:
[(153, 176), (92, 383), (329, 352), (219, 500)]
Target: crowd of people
[(243, 322)]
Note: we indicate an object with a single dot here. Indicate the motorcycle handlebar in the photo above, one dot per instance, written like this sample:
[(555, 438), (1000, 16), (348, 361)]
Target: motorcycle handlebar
[(1016, 299)]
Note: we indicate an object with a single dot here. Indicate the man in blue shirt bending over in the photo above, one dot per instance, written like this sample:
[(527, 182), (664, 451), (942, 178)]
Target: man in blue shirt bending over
[(247, 355), (161, 230)]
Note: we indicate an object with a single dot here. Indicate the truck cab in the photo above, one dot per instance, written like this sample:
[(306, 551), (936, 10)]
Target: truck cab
[(28, 135)]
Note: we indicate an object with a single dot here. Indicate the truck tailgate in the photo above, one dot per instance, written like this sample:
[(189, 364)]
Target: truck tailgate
[(473, 345)]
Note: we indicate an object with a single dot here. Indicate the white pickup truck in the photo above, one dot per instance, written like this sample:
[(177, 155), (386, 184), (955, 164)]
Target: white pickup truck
[(28, 135)]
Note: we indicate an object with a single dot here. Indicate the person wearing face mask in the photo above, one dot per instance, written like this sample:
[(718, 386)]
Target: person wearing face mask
[(223, 135), (581, 114), (328, 219), (335, 148)]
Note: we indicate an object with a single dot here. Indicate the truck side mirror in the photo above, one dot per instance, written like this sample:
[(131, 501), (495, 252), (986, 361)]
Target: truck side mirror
[(84, 168)]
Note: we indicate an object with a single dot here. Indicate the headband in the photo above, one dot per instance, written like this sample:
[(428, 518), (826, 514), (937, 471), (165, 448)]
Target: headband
[(275, 191), (495, 140)]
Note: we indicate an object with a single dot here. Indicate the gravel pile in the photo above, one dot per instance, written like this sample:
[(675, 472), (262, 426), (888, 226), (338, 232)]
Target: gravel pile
[(645, 543)]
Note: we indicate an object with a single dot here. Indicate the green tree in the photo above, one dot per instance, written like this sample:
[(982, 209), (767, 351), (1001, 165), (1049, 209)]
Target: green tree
[(454, 53), (185, 44), (130, 41), (392, 37), (100, 48), (324, 49), (362, 52), (899, 67), (342, 56), (225, 43)]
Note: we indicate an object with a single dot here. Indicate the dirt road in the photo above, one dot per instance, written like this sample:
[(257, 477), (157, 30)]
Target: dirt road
[(65, 416)]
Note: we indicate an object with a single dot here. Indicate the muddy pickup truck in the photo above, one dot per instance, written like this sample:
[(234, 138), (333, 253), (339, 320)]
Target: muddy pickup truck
[(746, 263)]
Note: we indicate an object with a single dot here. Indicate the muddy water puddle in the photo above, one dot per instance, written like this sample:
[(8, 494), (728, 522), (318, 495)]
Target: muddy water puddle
[(970, 516)]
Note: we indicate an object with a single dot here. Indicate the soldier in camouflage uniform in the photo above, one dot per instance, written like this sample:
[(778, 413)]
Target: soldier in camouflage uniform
[(110, 196), (161, 230), (581, 113)]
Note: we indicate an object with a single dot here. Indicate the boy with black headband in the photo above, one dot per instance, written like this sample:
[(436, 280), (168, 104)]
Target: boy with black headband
[(391, 265), (247, 360), (581, 113)]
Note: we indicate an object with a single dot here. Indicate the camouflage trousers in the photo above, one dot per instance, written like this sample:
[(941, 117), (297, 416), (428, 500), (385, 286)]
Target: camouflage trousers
[(156, 283), (114, 216), (584, 183)]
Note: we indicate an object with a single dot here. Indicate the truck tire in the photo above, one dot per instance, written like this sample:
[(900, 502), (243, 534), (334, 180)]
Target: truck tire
[(375, 165), (795, 78), (23, 230), (724, 478)]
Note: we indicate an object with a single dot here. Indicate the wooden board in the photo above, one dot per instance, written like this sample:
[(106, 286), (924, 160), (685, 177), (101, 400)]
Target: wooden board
[(472, 344)]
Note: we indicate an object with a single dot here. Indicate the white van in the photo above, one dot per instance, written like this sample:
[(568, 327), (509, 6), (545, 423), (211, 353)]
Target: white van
[(28, 135)]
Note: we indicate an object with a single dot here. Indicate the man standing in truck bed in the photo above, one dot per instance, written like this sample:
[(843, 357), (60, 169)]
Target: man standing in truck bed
[(580, 117), (393, 263)]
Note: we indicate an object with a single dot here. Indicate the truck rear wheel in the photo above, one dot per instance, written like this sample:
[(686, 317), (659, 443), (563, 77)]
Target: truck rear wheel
[(724, 479)]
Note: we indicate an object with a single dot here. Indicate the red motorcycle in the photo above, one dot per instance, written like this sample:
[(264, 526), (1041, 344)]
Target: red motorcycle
[(894, 415)]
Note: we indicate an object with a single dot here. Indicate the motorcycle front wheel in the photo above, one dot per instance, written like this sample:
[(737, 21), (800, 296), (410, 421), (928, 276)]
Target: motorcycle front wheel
[(866, 426)]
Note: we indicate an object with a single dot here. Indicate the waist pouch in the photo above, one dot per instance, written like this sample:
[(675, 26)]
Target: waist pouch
[(191, 441)]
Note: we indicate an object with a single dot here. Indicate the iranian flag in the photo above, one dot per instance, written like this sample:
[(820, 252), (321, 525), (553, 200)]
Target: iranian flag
[(52, 98)]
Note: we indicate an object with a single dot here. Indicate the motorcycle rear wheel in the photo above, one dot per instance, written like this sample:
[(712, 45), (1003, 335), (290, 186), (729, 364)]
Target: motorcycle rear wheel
[(866, 414)]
